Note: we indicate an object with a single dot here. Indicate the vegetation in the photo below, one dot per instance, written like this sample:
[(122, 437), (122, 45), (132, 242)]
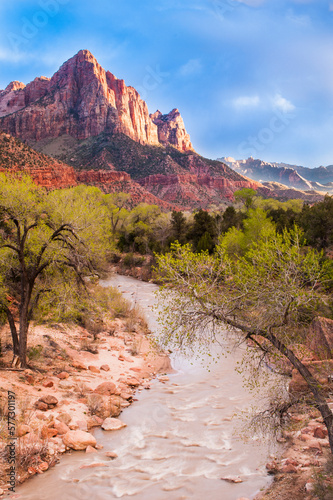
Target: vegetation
[(48, 242), (262, 286)]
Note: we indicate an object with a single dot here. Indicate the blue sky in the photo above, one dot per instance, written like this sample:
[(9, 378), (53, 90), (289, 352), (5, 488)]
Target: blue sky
[(250, 77)]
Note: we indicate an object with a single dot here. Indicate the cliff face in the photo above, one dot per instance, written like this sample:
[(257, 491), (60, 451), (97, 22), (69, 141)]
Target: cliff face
[(100, 132), (80, 100), (193, 190), (171, 130)]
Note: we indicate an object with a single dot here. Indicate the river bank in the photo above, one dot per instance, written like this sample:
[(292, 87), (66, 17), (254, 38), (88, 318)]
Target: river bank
[(181, 437), (77, 380)]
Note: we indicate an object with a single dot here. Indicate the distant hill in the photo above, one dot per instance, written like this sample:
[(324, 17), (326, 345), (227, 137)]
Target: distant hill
[(294, 176)]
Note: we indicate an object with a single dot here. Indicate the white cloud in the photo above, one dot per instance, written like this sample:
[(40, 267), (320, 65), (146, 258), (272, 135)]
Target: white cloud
[(246, 102), (252, 3), (282, 104), (192, 67)]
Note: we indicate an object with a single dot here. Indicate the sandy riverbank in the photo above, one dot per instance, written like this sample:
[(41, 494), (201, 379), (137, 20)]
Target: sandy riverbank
[(74, 383)]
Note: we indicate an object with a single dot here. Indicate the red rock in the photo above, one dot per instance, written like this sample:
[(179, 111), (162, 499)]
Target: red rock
[(171, 130), (41, 406), (94, 369), (106, 388), (289, 469), (78, 440), (272, 467), (63, 375), (105, 368), (136, 369), (132, 382), (61, 427), (43, 467), (48, 383), (111, 454), (320, 432), (78, 365), (30, 379), (49, 400)]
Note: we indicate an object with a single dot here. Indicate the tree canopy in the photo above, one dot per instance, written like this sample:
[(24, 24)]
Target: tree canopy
[(266, 295), (46, 239)]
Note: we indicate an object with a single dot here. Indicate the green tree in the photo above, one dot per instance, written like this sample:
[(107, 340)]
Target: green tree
[(44, 236), (246, 197), (317, 222), (178, 227), (259, 297)]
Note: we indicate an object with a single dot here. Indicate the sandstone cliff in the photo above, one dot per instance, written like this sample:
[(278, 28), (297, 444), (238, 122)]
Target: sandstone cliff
[(81, 100), (100, 132), (171, 130)]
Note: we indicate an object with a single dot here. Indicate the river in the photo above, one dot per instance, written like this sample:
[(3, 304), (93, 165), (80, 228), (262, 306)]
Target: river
[(181, 437)]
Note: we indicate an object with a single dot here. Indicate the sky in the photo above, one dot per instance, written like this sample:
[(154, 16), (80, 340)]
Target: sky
[(249, 77)]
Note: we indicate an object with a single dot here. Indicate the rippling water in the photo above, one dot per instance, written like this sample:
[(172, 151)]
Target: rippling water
[(179, 442)]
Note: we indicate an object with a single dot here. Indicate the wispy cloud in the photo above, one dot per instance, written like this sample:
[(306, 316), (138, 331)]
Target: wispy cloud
[(246, 102), (282, 104), (192, 67)]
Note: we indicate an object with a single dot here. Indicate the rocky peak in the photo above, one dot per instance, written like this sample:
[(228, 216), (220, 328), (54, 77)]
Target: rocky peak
[(171, 130), (14, 86)]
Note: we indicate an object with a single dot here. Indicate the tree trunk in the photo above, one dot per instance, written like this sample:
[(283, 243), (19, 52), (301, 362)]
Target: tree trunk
[(13, 331), (313, 384)]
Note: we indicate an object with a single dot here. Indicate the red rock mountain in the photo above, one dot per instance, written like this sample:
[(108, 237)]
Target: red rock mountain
[(17, 157), (87, 118)]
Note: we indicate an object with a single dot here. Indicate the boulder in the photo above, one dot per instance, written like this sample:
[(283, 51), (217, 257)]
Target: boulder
[(105, 368), (63, 375), (113, 424), (111, 454), (50, 401), (78, 440), (64, 417), (41, 406), (61, 427), (321, 370), (94, 369), (106, 389), (48, 383)]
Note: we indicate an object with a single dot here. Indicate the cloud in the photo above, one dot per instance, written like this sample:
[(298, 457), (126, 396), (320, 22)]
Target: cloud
[(246, 102), (252, 3), (282, 104), (192, 67)]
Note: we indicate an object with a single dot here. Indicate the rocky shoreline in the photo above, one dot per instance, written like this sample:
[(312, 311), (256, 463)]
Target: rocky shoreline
[(77, 383)]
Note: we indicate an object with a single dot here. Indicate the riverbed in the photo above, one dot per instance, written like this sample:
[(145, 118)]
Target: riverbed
[(181, 436)]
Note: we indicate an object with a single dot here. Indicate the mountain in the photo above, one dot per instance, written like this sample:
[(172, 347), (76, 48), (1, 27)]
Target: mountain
[(15, 156), (87, 118), (292, 176)]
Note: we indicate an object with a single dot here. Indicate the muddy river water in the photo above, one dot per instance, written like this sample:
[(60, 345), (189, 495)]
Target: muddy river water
[(180, 440)]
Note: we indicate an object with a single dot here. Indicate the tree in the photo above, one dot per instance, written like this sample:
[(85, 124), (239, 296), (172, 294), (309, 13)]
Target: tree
[(317, 222), (203, 223), (116, 204), (44, 236), (259, 297), (178, 226), (246, 196)]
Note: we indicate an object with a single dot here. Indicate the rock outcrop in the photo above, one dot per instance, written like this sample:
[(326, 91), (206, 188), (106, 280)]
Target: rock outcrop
[(81, 100), (171, 130)]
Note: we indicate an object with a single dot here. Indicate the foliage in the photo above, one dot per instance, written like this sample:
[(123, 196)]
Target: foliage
[(317, 222), (48, 241), (258, 295)]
